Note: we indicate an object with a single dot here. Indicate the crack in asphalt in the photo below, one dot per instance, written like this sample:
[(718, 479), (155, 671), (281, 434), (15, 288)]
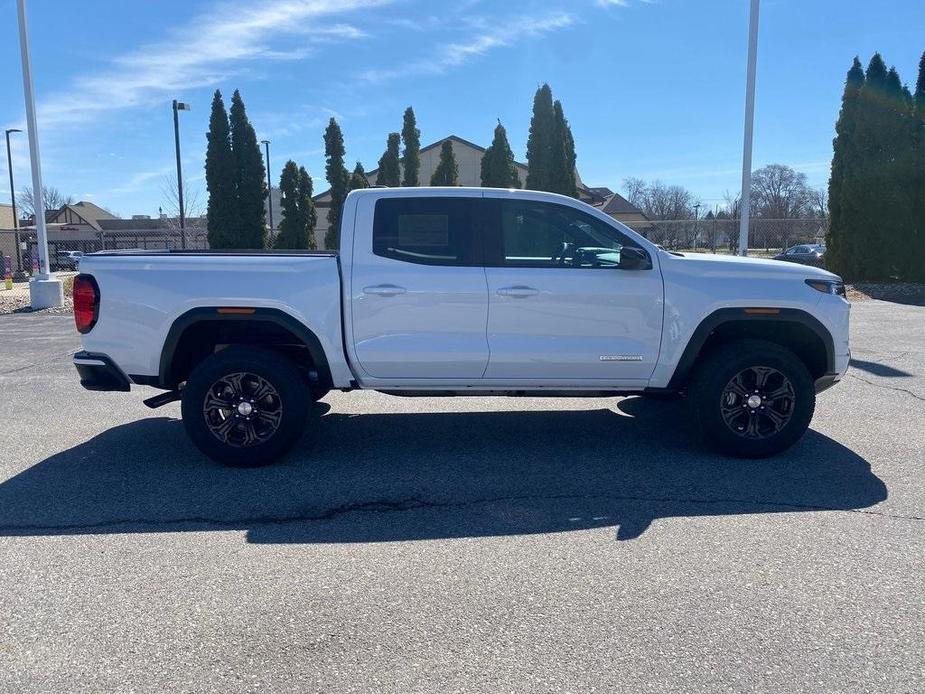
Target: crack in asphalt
[(412, 504), (41, 363), (886, 387)]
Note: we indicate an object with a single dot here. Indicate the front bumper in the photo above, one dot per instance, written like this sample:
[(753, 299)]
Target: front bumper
[(99, 372)]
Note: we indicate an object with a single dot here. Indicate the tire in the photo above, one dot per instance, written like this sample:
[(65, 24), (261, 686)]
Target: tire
[(231, 432), (726, 413)]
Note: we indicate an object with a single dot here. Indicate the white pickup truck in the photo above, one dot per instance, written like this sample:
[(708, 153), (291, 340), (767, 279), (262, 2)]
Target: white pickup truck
[(462, 291)]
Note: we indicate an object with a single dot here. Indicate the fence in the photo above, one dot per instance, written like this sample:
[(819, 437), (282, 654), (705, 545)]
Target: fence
[(722, 235)]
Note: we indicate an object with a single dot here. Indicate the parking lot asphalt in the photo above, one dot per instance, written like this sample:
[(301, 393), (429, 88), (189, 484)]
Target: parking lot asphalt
[(462, 544)]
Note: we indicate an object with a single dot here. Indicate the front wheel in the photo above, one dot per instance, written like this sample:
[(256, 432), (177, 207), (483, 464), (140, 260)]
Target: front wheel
[(245, 406), (751, 398)]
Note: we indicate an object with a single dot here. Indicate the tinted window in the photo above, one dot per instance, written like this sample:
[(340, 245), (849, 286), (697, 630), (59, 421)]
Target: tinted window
[(540, 234), (429, 231)]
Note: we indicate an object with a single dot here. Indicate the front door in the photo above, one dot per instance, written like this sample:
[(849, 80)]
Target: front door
[(560, 306), (419, 299)]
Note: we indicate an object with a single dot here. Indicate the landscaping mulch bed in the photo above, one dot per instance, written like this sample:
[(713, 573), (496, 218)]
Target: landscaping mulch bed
[(912, 293)]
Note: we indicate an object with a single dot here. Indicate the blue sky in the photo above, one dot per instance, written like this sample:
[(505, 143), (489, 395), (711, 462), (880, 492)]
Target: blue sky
[(652, 89)]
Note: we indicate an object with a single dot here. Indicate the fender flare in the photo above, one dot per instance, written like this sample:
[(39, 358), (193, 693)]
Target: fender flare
[(212, 313), (728, 315)]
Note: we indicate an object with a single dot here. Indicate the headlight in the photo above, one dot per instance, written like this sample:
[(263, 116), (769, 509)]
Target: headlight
[(828, 287)]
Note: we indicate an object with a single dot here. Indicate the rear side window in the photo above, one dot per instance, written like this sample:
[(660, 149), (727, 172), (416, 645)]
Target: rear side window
[(427, 231)]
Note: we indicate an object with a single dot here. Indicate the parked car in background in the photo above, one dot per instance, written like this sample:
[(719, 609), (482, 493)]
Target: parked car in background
[(805, 254), (68, 260)]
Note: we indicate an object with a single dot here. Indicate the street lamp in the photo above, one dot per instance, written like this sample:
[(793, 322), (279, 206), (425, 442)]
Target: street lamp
[(696, 214), (179, 106), (9, 162), (46, 290), (266, 143), (749, 127)]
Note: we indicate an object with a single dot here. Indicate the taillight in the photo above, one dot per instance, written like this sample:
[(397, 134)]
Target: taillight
[(86, 302)]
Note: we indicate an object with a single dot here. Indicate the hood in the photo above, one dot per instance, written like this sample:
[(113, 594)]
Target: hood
[(710, 263)]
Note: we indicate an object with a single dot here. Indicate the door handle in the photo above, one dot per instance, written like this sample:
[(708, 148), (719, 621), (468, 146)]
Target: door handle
[(518, 291), (385, 290)]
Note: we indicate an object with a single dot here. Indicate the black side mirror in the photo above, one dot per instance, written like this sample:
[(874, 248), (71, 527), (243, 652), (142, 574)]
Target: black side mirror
[(632, 258)]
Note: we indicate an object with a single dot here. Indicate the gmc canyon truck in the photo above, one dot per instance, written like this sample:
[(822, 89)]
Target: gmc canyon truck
[(461, 291)]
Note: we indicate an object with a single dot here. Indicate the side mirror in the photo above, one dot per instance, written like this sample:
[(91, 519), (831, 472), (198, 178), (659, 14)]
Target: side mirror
[(634, 259)]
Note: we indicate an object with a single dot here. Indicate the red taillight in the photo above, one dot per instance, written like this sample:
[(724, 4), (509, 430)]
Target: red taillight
[(86, 302)]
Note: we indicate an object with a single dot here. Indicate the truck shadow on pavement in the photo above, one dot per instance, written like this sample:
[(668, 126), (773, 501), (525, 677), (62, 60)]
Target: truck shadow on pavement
[(390, 477)]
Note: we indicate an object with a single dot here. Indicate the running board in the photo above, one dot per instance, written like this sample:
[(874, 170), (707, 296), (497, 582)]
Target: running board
[(162, 399)]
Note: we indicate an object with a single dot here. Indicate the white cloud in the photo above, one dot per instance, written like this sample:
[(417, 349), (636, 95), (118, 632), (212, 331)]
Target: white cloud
[(204, 52), (453, 55)]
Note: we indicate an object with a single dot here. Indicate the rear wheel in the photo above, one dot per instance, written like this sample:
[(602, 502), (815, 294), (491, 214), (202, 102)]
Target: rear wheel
[(245, 406), (751, 398)]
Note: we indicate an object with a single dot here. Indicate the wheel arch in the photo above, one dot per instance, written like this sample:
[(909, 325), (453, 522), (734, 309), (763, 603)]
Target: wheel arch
[(791, 328), (196, 333)]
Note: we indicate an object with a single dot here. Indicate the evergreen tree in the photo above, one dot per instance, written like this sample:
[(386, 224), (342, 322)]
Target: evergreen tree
[(562, 158), (308, 205), (498, 169), (411, 136), (918, 180), (220, 178), (389, 169), (358, 179), (250, 179), (298, 223), (540, 141), (447, 171), (841, 246), (338, 179)]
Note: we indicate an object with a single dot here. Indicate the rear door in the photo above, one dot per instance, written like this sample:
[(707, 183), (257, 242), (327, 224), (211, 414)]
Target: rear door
[(560, 305), (419, 296)]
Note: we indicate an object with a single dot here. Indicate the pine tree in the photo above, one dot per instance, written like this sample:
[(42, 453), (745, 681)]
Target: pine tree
[(250, 179), (562, 158), (841, 246), (220, 178), (338, 179), (358, 179), (389, 170), (540, 141), (411, 136), (498, 169), (447, 171)]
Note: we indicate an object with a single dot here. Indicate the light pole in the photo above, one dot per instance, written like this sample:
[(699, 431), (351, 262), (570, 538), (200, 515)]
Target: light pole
[(46, 290), (745, 200), (177, 107), (9, 162), (266, 144), (696, 214)]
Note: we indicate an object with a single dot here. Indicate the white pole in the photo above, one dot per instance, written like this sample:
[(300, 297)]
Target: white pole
[(745, 198), (46, 291)]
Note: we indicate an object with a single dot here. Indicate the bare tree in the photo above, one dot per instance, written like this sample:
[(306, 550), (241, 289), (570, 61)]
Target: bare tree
[(192, 207), (52, 199)]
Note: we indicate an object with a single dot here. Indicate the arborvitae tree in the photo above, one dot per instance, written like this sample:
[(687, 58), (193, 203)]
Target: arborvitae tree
[(389, 169), (308, 205), (562, 170), (338, 178), (498, 169), (250, 179), (220, 178), (918, 180), (447, 171), (358, 179), (540, 141), (411, 136), (298, 223), (842, 244)]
